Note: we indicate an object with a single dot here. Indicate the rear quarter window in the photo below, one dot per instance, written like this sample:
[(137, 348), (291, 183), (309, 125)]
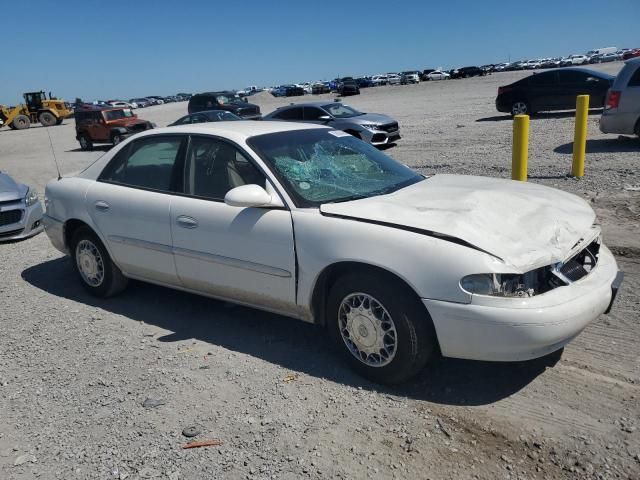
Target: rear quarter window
[(634, 81)]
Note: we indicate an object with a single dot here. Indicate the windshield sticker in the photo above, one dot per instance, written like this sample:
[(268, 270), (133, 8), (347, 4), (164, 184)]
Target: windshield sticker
[(338, 133), (304, 185)]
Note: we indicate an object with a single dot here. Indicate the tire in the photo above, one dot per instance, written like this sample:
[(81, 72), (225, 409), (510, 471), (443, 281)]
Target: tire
[(85, 143), (59, 121), (406, 321), (98, 274), (520, 108), (116, 139), (47, 119), (21, 122), (637, 129)]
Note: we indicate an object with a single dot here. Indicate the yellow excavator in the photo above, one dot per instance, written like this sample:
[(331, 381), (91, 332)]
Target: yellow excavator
[(36, 108)]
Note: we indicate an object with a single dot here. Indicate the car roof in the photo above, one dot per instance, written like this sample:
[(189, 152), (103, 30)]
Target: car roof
[(309, 104), (238, 130)]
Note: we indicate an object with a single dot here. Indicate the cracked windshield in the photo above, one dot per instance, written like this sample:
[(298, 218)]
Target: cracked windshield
[(320, 166)]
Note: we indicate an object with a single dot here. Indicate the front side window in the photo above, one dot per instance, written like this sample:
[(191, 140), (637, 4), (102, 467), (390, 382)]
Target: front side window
[(323, 166), (213, 167), (110, 115), (147, 163), (313, 113)]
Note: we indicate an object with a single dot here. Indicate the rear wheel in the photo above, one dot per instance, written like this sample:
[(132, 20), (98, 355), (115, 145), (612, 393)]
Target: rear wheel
[(21, 122), (85, 143), (520, 108), (380, 326), (47, 119), (98, 274)]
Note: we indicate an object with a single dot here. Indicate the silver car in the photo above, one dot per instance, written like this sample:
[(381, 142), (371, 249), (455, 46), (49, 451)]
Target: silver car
[(374, 128), (20, 210), (622, 107)]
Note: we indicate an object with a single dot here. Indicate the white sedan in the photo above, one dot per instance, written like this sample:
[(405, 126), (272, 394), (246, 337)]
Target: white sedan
[(438, 75), (121, 104), (312, 223)]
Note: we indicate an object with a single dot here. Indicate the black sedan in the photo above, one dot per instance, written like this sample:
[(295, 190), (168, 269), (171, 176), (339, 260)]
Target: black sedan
[(204, 117), (553, 90)]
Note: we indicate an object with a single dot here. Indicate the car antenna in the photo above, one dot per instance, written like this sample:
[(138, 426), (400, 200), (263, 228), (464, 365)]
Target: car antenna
[(55, 160)]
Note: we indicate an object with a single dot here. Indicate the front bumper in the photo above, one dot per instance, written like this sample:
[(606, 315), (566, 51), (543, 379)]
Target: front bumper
[(29, 225), (509, 329), (380, 137)]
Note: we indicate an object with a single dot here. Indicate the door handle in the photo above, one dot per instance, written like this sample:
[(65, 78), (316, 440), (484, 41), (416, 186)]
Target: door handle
[(102, 206), (187, 222)]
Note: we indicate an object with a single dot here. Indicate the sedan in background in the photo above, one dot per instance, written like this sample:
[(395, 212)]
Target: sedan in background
[(141, 102), (553, 90), (206, 117), (309, 222), (20, 210), (373, 128), (437, 75)]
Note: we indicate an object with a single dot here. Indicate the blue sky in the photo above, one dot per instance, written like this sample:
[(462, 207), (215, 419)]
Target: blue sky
[(97, 49)]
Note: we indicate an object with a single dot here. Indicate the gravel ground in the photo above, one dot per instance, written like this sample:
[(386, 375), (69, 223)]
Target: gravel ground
[(104, 389)]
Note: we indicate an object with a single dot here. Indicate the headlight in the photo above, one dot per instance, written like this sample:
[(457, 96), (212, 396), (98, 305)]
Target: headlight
[(370, 126), (31, 198), (498, 285)]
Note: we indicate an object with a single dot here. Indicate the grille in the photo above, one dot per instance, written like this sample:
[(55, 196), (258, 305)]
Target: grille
[(389, 127), (12, 216), (11, 233)]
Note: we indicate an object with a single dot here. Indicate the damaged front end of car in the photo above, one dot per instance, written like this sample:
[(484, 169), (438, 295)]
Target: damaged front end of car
[(537, 281)]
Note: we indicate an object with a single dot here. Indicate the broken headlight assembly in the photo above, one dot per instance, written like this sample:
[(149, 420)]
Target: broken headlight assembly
[(535, 282)]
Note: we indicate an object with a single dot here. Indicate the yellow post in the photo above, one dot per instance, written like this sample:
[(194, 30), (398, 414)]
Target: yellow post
[(520, 154), (580, 136)]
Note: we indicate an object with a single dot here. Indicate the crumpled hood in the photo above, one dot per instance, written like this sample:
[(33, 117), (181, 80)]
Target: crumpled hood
[(525, 225), (10, 190)]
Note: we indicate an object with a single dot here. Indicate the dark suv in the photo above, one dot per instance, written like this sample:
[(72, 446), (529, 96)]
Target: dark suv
[(106, 125), (348, 86), (227, 101)]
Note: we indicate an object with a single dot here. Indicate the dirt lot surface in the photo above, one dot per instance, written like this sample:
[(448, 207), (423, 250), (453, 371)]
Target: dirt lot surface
[(102, 389)]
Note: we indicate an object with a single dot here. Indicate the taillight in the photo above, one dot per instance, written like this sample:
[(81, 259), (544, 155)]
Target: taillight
[(502, 90), (613, 99)]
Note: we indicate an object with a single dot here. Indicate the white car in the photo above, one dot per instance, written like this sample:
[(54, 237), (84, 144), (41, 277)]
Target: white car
[(312, 223), (20, 210), (123, 104), (393, 79), (379, 80), (578, 59), (438, 75)]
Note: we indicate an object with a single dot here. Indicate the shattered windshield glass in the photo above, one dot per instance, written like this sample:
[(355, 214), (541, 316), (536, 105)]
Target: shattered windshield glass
[(324, 166)]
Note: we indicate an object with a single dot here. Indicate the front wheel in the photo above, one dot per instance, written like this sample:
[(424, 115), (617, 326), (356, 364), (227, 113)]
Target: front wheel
[(98, 274), (116, 139), (381, 327)]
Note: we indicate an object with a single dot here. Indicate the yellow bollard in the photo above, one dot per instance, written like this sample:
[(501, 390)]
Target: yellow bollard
[(520, 155), (580, 136)]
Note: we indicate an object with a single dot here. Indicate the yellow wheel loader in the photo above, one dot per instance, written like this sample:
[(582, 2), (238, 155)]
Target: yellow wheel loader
[(36, 108)]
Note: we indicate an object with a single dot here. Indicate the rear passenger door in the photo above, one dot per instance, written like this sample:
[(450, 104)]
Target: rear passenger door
[(130, 206)]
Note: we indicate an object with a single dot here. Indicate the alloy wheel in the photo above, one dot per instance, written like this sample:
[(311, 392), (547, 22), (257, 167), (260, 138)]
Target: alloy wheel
[(367, 329), (90, 263)]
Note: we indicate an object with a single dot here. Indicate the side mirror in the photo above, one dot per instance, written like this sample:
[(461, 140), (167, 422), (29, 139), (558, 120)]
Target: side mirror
[(249, 196), (325, 118)]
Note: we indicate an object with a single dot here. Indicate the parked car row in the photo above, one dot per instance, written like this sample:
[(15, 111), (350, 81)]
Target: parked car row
[(557, 90)]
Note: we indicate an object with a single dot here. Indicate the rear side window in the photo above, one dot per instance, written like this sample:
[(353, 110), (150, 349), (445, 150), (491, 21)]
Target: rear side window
[(148, 163), (290, 114), (634, 81)]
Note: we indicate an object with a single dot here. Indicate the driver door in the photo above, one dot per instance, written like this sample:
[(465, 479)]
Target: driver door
[(242, 254)]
